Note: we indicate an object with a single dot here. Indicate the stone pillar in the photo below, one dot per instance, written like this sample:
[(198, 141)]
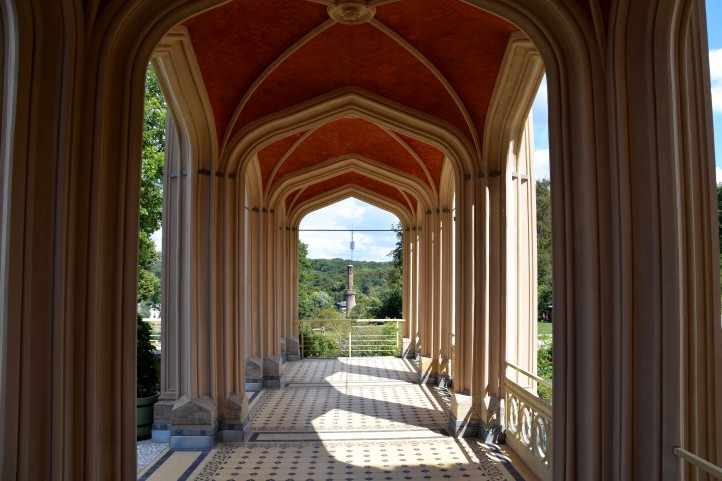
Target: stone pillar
[(409, 298), (230, 351), (273, 362), (187, 410), (519, 264), (467, 218), (426, 293), (293, 348), (412, 297), (465, 408), (254, 360), (447, 298)]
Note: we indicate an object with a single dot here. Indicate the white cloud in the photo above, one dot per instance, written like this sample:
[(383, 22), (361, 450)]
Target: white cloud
[(541, 164), (349, 214), (717, 99), (715, 64), (542, 93), (718, 172), (157, 239)]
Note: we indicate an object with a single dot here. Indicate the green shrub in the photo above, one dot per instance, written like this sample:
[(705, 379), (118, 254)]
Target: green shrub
[(545, 370), (318, 344), (146, 362)]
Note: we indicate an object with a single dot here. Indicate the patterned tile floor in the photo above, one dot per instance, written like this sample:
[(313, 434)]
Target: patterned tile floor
[(345, 420), (355, 408), (356, 370), (442, 459)]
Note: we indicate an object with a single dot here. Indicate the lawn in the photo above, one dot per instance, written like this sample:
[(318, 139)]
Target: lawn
[(544, 328)]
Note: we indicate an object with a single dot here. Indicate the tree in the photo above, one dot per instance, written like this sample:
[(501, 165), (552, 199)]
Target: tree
[(146, 372), (391, 304), (151, 191), (306, 306), (544, 245)]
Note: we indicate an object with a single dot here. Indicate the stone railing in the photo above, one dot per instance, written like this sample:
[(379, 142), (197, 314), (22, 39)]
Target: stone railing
[(528, 423)]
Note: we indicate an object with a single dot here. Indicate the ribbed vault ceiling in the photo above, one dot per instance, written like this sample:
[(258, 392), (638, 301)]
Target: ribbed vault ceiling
[(439, 57)]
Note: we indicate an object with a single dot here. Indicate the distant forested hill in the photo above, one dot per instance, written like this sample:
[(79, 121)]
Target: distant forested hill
[(329, 275), (322, 283)]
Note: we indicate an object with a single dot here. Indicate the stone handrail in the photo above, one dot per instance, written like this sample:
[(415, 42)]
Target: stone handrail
[(528, 422), (698, 462)]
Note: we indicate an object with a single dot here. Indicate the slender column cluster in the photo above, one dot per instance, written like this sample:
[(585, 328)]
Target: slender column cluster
[(637, 368)]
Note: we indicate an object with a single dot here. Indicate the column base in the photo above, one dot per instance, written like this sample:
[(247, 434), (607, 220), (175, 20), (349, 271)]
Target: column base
[(464, 421), (492, 432), (274, 376), (408, 350), (254, 374), (193, 424), (234, 423), (428, 374), (293, 349)]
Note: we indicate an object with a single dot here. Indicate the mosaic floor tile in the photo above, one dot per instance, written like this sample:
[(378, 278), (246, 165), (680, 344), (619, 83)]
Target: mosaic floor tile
[(372, 370), (351, 461), (358, 419), (356, 408)]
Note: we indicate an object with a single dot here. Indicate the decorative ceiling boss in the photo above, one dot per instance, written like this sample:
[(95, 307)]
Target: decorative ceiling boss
[(351, 12)]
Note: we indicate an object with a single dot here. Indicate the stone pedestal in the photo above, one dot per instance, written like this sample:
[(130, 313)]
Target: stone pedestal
[(193, 424), (429, 374), (464, 421), (273, 373), (293, 349), (407, 349), (234, 424), (254, 374)]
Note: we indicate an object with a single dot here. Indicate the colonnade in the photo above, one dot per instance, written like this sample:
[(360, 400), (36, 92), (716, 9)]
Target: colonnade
[(230, 310), (636, 321)]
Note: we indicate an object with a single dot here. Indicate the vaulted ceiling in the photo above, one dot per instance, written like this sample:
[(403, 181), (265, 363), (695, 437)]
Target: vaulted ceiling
[(438, 57)]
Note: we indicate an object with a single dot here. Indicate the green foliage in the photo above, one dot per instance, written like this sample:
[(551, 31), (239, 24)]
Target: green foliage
[(544, 246), (146, 365), (330, 338), (366, 306), (544, 283), (545, 369), (151, 191), (322, 283), (391, 304), (316, 344)]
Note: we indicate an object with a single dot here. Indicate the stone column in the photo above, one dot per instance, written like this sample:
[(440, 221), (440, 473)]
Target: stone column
[(230, 353), (464, 412), (292, 344), (426, 293), (405, 282), (415, 286), (446, 290), (254, 360), (187, 410), (519, 264), (273, 363)]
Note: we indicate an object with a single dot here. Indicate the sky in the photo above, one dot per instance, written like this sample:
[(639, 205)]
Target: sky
[(353, 213), (714, 22), (349, 213)]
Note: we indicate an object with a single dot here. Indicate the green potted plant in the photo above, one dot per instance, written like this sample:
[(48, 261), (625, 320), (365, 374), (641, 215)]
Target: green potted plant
[(147, 381)]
